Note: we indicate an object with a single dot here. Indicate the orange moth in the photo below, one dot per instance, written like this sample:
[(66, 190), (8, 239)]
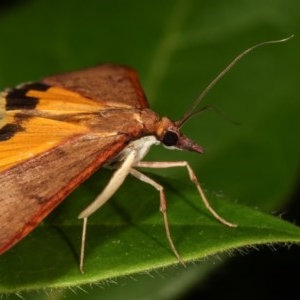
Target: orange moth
[(56, 132)]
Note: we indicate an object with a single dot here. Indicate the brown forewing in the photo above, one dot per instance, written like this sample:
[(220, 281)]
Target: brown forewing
[(32, 188), (29, 191), (105, 82)]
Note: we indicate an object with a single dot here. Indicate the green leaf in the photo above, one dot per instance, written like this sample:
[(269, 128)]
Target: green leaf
[(124, 241), (248, 171)]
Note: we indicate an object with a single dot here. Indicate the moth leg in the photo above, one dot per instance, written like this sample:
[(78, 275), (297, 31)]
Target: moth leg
[(193, 178), (115, 182), (163, 208), (82, 246)]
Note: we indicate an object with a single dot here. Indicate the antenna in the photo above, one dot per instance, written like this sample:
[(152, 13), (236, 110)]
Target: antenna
[(191, 112)]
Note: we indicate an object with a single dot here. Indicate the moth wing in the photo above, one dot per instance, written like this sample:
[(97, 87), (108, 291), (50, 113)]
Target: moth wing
[(37, 116), (118, 84), (25, 139), (31, 189), (47, 149)]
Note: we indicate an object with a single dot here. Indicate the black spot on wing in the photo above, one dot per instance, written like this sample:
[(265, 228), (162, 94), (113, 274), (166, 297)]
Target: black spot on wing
[(17, 99), (38, 86), (9, 130)]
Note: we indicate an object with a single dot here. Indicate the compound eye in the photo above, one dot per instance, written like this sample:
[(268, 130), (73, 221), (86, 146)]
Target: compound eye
[(170, 138)]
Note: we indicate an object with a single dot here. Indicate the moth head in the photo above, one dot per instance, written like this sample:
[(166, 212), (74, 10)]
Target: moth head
[(168, 133)]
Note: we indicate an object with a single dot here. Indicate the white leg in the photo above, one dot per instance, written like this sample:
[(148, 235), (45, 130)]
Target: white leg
[(163, 207), (115, 182), (82, 248), (193, 178)]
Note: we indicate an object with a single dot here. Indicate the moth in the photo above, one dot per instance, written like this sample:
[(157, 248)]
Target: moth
[(56, 132)]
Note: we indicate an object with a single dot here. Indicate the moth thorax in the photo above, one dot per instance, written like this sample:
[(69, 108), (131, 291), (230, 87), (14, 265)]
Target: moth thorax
[(141, 146)]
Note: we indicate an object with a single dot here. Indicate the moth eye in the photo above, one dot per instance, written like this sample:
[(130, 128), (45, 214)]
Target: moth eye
[(170, 138)]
